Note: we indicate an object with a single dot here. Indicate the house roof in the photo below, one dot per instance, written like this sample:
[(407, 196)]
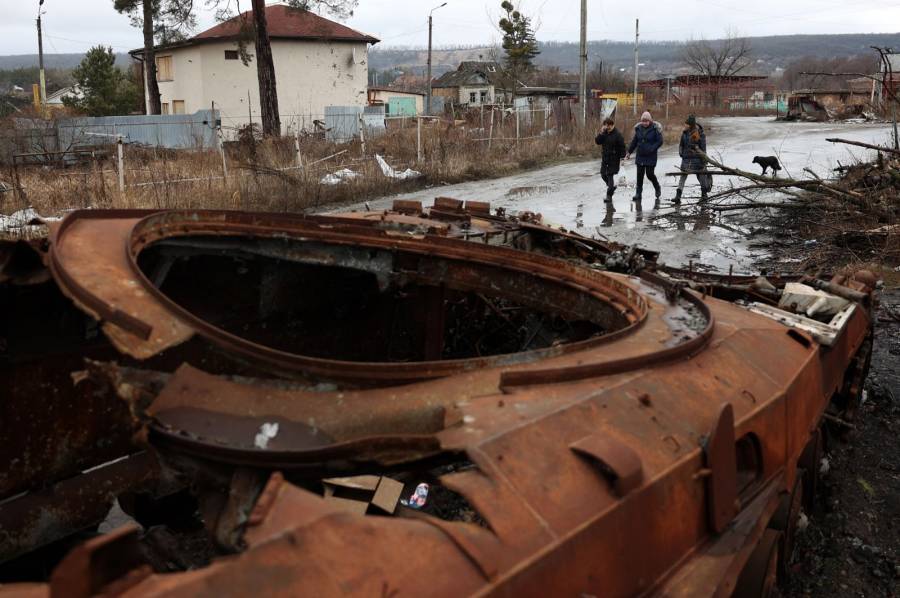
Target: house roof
[(406, 90), (469, 72), (283, 22)]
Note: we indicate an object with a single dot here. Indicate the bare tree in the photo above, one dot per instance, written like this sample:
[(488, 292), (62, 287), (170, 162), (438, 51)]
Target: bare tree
[(719, 58), (160, 20)]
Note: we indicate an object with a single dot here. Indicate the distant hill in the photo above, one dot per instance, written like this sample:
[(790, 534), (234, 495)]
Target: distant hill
[(772, 52), (51, 61)]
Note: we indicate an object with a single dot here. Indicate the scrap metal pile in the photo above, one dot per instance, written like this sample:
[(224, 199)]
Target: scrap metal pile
[(448, 401)]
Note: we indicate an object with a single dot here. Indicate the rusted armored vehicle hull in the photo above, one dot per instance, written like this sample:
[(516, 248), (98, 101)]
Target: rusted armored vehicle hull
[(584, 431)]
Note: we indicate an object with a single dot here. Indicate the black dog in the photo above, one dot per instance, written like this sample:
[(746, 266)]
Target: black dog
[(768, 162)]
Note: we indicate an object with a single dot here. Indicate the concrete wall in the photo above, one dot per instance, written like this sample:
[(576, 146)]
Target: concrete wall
[(310, 75)]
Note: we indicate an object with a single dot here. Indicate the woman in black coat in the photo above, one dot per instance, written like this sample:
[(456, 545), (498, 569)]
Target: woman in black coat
[(613, 145)]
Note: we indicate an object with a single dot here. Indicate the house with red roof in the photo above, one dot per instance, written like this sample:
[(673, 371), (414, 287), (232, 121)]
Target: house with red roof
[(318, 63)]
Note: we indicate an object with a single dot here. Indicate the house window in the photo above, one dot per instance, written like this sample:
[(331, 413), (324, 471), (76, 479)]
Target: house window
[(164, 68), (483, 97), (473, 97), (231, 55), (165, 108), (177, 106)]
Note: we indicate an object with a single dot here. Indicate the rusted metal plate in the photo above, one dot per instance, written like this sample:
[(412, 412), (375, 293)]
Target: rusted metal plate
[(615, 459), (91, 264), (35, 519), (720, 459), (142, 321), (55, 422), (658, 400)]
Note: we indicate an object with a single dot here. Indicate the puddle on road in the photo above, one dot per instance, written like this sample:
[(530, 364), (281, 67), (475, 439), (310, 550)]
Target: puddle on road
[(519, 192)]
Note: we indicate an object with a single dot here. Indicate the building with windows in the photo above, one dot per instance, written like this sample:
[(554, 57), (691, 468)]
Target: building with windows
[(397, 102), (471, 84), (318, 63)]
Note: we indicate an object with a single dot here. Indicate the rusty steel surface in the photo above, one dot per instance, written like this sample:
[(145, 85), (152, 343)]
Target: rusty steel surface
[(596, 432)]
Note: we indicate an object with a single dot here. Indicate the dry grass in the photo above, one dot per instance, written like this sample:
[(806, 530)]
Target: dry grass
[(265, 177)]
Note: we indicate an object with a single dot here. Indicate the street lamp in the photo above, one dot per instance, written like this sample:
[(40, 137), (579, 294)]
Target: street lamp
[(428, 89)]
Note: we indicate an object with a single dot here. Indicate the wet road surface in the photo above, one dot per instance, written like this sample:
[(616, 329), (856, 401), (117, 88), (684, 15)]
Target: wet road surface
[(571, 195)]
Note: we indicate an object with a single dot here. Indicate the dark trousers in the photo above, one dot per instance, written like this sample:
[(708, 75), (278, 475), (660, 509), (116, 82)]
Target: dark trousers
[(705, 181), (649, 171), (610, 180)]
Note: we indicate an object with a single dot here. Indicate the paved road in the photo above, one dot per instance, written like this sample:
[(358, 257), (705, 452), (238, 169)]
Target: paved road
[(571, 195)]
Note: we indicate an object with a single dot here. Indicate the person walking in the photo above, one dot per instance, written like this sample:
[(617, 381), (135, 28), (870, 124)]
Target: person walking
[(645, 144), (693, 139), (613, 144)]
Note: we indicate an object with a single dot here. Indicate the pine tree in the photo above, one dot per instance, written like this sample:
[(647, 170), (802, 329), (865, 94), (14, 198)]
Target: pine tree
[(107, 90), (519, 44)]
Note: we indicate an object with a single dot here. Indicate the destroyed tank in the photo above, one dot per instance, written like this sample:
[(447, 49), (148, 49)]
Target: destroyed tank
[(439, 402)]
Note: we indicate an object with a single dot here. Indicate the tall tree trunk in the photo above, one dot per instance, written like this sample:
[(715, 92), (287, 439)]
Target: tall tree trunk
[(154, 105), (265, 70)]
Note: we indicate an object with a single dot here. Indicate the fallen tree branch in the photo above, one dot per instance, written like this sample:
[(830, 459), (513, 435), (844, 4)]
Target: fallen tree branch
[(754, 205), (880, 148), (806, 185), (780, 187)]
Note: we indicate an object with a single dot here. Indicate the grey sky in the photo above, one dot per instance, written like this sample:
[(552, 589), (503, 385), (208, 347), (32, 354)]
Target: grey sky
[(75, 25)]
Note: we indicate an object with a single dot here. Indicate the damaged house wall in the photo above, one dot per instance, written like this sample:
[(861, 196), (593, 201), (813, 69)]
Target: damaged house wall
[(318, 63)]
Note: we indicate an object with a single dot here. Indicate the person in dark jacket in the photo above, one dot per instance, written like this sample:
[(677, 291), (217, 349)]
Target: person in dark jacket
[(613, 151), (645, 144), (693, 139)]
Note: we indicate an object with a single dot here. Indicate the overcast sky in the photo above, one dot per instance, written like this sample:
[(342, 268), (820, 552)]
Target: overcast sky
[(76, 25)]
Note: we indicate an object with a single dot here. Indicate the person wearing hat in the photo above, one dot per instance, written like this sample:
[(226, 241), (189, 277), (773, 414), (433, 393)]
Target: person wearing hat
[(645, 144), (693, 139), (613, 144)]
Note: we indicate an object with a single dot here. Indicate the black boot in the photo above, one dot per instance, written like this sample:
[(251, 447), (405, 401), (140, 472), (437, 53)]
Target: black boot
[(677, 197)]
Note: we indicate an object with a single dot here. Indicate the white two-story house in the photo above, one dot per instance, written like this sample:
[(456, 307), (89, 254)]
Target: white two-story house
[(318, 63)]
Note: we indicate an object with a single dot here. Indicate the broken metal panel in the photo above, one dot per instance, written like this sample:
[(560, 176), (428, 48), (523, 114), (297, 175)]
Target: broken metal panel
[(35, 519), (54, 423), (823, 333)]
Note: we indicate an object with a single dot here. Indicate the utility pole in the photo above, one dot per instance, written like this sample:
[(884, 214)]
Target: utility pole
[(41, 60), (584, 57), (636, 38), (668, 89), (428, 75)]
